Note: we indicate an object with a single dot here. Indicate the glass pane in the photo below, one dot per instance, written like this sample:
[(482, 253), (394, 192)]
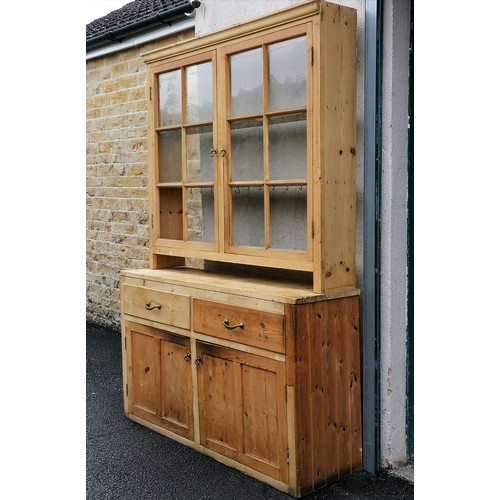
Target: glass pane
[(288, 147), (200, 214), (287, 74), (248, 216), (288, 217), (246, 82), (170, 98), (169, 156), (200, 165), (246, 151), (199, 92)]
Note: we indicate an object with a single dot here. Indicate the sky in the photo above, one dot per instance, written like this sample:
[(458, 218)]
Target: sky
[(98, 8)]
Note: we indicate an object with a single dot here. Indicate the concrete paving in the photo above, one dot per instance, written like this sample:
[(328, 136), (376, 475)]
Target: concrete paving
[(126, 461)]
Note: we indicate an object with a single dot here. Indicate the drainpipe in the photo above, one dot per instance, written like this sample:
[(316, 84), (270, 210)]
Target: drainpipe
[(410, 304), (371, 282)]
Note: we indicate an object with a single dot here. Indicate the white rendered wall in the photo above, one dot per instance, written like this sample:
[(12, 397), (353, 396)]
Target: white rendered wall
[(213, 15), (394, 193)]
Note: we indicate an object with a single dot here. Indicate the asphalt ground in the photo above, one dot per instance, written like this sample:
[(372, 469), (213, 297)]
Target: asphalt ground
[(126, 461)]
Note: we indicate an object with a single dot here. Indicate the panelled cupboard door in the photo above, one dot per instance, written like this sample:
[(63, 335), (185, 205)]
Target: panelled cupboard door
[(243, 408), (160, 380)]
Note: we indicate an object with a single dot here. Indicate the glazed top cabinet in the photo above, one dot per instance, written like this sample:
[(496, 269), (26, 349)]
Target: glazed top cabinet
[(252, 146)]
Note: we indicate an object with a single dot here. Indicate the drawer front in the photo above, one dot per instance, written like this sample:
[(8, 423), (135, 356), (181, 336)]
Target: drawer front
[(239, 324), (164, 307)]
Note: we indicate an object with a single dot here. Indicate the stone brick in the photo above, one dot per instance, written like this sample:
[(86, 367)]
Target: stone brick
[(119, 69), (118, 97), (126, 82)]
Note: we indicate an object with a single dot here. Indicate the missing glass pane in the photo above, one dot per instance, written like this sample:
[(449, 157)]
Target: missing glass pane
[(200, 214)]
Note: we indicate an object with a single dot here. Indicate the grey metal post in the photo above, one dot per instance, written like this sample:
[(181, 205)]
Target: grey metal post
[(371, 288)]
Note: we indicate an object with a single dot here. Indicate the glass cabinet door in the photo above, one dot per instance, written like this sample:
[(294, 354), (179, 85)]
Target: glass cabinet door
[(267, 130), (232, 149), (185, 153)]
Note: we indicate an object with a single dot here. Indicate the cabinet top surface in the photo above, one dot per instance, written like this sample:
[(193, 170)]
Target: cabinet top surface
[(292, 292)]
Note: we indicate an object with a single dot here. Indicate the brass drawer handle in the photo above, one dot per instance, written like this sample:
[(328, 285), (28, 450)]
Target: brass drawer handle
[(232, 327), (149, 307)]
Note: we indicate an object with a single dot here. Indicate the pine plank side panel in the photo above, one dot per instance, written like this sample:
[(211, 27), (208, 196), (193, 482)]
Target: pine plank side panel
[(337, 149), (290, 375), (321, 394), (303, 402), (342, 365), (328, 397), (355, 386)]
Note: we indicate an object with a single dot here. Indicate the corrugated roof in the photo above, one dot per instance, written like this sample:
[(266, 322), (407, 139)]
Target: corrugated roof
[(130, 14)]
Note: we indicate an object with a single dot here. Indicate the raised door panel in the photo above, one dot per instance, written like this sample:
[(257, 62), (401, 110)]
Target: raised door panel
[(243, 408), (264, 443), (144, 372), (219, 400), (176, 386)]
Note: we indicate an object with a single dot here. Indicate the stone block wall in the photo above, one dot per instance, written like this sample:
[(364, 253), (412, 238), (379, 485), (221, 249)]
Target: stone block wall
[(117, 175)]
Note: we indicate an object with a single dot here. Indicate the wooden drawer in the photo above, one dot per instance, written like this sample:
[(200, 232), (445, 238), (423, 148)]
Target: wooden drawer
[(174, 309), (259, 328)]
